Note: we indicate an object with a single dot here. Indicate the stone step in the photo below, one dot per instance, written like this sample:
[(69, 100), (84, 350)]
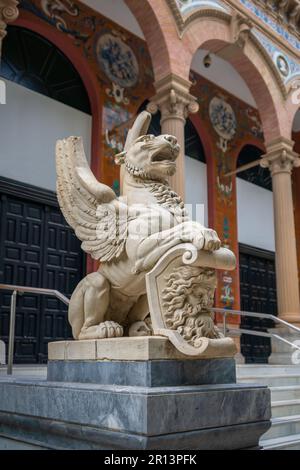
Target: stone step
[(285, 408), (271, 380), (282, 443), (252, 370), (8, 443), (290, 392), (283, 426)]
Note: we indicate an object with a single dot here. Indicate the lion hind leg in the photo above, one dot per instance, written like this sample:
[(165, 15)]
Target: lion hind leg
[(88, 308)]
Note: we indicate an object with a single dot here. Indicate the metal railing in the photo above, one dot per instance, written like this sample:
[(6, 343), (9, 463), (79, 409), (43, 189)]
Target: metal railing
[(264, 316), (225, 312), (13, 304)]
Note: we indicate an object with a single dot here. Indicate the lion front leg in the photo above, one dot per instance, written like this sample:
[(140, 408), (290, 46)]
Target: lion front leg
[(88, 307), (153, 247)]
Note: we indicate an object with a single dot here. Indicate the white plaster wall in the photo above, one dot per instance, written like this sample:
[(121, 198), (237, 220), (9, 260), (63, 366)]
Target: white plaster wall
[(255, 215), (117, 11), (220, 72), (223, 74), (196, 189), (30, 124)]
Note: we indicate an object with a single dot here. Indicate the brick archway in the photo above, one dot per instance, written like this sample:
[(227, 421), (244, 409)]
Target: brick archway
[(250, 63), (159, 27), (173, 54)]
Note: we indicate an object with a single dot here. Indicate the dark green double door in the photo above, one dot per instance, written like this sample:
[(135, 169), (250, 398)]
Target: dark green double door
[(258, 294), (38, 249)]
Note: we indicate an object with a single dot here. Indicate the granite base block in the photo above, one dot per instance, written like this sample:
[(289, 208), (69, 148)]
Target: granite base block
[(64, 415), (155, 373), (49, 434)]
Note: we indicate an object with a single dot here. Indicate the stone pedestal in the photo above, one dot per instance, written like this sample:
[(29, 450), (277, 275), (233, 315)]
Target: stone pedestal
[(283, 353), (149, 402)]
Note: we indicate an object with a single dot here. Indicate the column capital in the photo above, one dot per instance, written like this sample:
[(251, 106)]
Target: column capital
[(280, 156), (8, 12), (173, 99)]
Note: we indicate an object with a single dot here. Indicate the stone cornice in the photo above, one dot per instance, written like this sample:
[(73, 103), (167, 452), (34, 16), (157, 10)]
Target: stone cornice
[(285, 12), (283, 43)]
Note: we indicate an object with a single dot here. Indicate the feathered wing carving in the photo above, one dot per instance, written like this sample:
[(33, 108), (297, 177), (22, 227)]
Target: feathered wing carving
[(91, 208)]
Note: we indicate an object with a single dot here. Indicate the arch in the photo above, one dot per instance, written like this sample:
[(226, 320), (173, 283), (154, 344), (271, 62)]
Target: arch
[(250, 63), (89, 80), (255, 175), (172, 53), (43, 68), (159, 27)]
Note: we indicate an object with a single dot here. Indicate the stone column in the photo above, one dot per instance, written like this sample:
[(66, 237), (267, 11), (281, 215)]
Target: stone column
[(281, 159), (8, 12), (175, 103)]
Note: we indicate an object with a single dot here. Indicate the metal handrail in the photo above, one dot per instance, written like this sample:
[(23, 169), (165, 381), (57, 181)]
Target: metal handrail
[(239, 331), (13, 304), (36, 290), (65, 300)]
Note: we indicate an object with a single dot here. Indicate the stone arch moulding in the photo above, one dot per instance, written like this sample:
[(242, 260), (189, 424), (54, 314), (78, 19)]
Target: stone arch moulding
[(89, 81), (240, 49), (159, 29), (202, 8)]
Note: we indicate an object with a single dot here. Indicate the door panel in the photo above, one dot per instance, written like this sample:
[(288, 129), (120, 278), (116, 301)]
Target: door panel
[(38, 249), (258, 294), (22, 225)]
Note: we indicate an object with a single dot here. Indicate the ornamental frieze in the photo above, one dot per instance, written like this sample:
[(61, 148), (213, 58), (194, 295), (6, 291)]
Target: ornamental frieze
[(281, 18), (285, 65), (286, 25)]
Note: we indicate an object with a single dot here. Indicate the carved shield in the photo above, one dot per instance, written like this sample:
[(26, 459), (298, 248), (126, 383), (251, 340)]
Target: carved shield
[(180, 290)]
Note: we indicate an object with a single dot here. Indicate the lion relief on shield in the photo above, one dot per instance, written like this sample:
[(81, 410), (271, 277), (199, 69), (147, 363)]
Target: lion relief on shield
[(187, 301)]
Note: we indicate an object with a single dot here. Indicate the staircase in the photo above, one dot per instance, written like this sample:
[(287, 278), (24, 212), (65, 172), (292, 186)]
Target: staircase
[(284, 382)]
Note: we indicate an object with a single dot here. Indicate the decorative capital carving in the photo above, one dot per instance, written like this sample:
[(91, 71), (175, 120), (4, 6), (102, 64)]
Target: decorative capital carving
[(240, 29), (173, 99), (281, 157), (8, 12)]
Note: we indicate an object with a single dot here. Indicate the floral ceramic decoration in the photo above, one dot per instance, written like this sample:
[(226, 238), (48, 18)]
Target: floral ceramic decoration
[(222, 118), (54, 9), (117, 60)]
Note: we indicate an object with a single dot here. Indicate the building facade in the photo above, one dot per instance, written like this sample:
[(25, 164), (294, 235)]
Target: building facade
[(221, 75)]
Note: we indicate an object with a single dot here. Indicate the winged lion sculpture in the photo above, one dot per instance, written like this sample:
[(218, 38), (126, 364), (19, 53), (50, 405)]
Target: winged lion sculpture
[(127, 234)]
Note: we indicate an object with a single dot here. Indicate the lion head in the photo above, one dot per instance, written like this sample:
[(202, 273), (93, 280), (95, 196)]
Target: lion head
[(187, 300), (148, 156)]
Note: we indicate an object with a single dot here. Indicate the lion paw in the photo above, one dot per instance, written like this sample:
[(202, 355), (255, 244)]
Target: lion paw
[(207, 239), (109, 329)]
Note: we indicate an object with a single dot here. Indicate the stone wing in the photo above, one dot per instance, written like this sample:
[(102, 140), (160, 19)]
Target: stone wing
[(91, 208)]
